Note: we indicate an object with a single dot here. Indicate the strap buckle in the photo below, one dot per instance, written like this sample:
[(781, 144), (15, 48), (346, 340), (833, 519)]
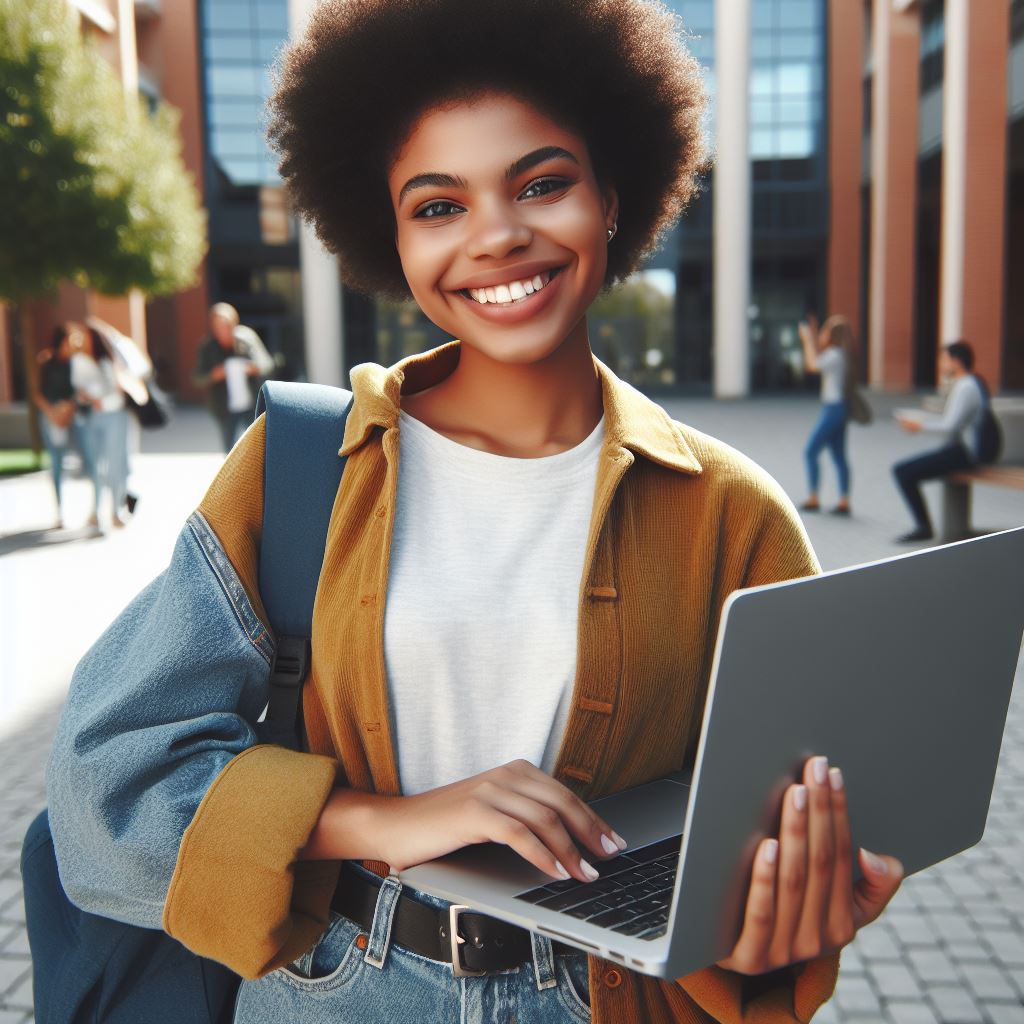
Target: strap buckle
[(458, 967)]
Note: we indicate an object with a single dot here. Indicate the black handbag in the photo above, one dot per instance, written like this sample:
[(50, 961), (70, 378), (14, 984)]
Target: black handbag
[(155, 411)]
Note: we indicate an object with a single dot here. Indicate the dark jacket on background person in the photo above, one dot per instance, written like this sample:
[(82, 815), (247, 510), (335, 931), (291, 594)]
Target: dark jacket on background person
[(212, 354)]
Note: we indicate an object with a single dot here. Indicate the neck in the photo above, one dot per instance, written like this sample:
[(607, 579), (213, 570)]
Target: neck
[(524, 410)]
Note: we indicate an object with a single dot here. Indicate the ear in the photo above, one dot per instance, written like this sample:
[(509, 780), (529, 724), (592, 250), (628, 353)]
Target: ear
[(610, 199)]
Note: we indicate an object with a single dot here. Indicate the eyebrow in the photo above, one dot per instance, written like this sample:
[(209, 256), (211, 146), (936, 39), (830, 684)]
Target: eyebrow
[(433, 179)]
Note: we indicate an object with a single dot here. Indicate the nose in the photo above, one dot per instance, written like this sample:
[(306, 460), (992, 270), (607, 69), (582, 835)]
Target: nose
[(496, 230)]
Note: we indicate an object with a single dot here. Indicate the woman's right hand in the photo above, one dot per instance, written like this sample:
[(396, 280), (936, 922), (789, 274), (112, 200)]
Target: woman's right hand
[(515, 804)]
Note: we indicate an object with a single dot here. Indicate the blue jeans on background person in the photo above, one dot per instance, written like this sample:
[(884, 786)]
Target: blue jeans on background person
[(910, 473), (374, 981), (108, 432), (829, 432), (57, 441)]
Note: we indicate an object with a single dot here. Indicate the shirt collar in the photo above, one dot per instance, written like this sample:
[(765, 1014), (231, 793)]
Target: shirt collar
[(632, 421)]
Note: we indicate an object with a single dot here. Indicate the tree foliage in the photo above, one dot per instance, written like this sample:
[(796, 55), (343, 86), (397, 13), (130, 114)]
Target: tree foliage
[(93, 188)]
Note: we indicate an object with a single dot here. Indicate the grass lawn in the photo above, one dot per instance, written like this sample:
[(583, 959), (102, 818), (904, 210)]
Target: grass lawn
[(20, 460)]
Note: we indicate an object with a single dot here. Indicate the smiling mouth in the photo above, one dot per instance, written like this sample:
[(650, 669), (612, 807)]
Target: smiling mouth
[(512, 293)]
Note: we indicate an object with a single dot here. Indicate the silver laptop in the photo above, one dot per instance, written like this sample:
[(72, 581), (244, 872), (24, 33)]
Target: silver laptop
[(931, 639)]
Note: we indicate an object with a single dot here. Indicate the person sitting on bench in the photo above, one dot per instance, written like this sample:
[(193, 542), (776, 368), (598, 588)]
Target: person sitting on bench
[(958, 422)]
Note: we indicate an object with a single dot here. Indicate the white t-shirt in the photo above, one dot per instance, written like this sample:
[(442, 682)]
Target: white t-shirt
[(95, 379), (482, 604), (832, 366)]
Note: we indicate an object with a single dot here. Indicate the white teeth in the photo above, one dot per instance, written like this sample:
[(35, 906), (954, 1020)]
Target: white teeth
[(514, 291)]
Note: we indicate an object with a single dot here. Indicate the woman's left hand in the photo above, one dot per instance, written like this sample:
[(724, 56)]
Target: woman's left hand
[(802, 901)]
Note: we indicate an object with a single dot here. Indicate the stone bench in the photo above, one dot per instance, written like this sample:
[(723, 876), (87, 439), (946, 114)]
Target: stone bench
[(956, 495)]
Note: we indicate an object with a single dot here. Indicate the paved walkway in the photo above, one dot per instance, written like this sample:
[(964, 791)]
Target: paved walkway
[(949, 950)]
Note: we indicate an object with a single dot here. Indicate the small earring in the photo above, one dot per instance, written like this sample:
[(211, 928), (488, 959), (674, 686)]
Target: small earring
[(611, 231)]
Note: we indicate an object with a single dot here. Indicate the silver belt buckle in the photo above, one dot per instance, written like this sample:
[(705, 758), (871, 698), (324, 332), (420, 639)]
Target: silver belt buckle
[(458, 968)]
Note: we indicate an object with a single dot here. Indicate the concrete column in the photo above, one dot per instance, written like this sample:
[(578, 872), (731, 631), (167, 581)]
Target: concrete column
[(731, 232), (974, 181), (845, 142), (321, 286), (897, 58)]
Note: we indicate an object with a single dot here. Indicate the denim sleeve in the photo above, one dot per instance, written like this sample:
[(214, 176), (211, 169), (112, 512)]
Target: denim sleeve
[(166, 697)]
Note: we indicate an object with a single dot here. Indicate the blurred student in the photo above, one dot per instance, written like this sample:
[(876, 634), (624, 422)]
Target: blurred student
[(230, 359), (828, 351), (95, 382), (958, 424), (64, 421)]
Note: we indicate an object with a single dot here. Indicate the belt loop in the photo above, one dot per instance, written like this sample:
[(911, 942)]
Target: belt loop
[(543, 961), (380, 930)]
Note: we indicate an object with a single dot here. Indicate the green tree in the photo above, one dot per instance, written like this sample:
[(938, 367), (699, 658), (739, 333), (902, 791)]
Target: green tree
[(93, 189)]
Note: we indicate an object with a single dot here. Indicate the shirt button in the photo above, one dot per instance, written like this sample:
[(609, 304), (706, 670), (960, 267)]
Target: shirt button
[(613, 978)]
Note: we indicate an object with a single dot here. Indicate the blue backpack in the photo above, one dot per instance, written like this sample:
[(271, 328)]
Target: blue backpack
[(92, 969)]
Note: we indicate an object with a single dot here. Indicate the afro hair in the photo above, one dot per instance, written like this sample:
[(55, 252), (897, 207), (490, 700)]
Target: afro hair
[(614, 71)]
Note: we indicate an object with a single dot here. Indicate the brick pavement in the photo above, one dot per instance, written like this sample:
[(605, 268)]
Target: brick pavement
[(950, 950)]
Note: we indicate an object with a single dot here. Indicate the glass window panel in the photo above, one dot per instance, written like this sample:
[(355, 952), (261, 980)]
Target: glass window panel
[(267, 47), (221, 47), (231, 142), (233, 112), (795, 77), (800, 13), (702, 47), (762, 14), (762, 80), (695, 13), (273, 17), (798, 108), (799, 44), (762, 143), (762, 46), (229, 81), (795, 141), (232, 15), (762, 112), (266, 82)]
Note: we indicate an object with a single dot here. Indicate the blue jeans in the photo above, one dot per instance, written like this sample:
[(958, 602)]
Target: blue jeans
[(108, 432), (829, 432), (339, 982), (57, 442)]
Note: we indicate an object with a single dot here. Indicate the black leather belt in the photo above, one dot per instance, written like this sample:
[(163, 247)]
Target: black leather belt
[(484, 944)]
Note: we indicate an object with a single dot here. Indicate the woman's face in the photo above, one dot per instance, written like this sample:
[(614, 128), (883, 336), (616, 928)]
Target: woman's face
[(501, 226)]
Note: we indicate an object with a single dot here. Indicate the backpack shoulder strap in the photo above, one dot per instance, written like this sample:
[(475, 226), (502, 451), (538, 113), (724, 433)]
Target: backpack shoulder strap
[(305, 425)]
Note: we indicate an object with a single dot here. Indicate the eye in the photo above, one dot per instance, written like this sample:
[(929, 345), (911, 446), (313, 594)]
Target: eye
[(438, 208), (543, 187)]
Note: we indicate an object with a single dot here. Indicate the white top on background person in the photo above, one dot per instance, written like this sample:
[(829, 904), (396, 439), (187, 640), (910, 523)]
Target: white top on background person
[(832, 366)]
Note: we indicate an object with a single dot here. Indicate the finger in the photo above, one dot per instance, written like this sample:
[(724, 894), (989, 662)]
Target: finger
[(546, 824), (750, 954), (840, 928), (882, 877), (588, 828), (502, 828), (810, 932), (792, 872)]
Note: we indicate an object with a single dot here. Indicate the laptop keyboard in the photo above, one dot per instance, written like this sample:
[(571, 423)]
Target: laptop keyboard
[(631, 897)]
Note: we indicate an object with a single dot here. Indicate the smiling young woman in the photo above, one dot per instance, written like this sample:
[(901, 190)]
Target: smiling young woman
[(523, 577)]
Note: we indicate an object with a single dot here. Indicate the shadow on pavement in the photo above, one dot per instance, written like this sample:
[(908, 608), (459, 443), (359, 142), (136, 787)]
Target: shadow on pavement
[(45, 539)]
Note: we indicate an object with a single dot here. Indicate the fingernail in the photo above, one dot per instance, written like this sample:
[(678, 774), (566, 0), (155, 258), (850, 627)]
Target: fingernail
[(608, 844), (800, 797), (588, 870), (561, 870), (771, 851), (835, 778), (875, 863), (619, 841), (819, 770)]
